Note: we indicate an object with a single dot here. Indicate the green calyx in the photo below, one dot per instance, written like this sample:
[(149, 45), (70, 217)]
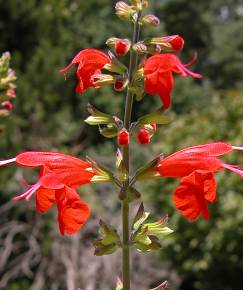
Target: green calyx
[(148, 236), (109, 241)]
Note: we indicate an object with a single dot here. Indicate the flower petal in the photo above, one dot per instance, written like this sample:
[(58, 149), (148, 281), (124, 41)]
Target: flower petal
[(72, 211)]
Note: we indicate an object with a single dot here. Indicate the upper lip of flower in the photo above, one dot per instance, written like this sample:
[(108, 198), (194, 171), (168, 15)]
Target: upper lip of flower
[(204, 157)]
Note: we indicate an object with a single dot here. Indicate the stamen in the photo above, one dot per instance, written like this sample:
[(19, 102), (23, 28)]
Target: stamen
[(234, 168), (237, 148), (27, 194), (194, 58), (4, 162), (65, 70)]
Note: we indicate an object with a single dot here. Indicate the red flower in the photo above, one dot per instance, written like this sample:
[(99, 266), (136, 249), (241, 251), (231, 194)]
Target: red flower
[(60, 175), (90, 61), (193, 194), (196, 165), (158, 71), (123, 137), (200, 157)]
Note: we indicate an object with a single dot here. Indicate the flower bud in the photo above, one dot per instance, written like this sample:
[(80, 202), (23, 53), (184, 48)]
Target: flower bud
[(123, 137), (120, 84), (124, 11), (143, 137), (168, 43), (177, 43), (121, 46), (137, 4), (4, 113), (151, 20), (8, 105), (11, 93), (140, 47)]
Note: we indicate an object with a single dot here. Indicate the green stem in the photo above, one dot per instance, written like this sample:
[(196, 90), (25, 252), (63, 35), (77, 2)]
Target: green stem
[(125, 204)]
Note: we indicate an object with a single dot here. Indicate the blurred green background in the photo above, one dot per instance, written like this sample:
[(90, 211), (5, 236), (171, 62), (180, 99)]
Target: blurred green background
[(43, 36)]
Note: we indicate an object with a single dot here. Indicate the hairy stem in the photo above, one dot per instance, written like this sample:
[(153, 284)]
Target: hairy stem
[(126, 158)]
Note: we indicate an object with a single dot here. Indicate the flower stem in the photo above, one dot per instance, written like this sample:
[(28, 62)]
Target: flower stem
[(126, 158)]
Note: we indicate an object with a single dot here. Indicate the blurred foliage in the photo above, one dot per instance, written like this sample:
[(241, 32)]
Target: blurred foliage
[(42, 37)]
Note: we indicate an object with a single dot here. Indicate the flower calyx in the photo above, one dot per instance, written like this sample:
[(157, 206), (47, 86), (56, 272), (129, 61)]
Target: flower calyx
[(148, 171), (100, 80), (102, 174), (137, 85), (121, 168), (98, 118), (148, 236), (108, 242), (115, 66)]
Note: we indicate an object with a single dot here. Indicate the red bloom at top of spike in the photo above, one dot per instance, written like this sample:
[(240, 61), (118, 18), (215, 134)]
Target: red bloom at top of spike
[(158, 71), (60, 175), (200, 157), (193, 194), (90, 62)]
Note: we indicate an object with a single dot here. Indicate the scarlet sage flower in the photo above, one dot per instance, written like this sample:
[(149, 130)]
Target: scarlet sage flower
[(60, 176), (196, 166), (90, 62), (158, 72)]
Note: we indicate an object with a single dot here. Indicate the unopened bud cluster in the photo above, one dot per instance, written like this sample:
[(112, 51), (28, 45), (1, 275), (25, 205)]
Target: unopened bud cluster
[(143, 134), (7, 85)]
